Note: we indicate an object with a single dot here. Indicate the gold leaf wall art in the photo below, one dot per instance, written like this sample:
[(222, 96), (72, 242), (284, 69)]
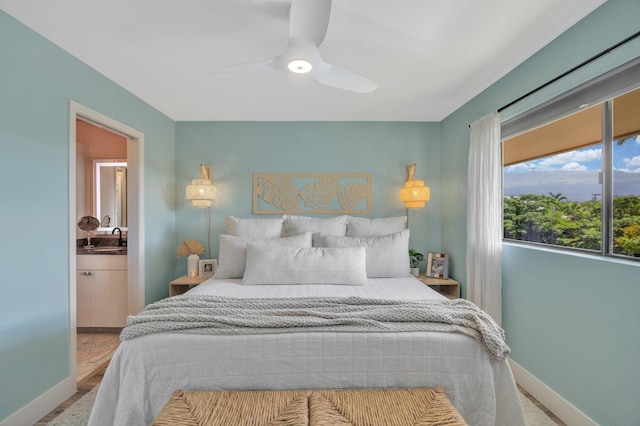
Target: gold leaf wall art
[(351, 195), (319, 192), (277, 191), (311, 193)]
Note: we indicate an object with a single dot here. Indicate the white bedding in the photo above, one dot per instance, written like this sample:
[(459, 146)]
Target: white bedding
[(146, 370), (407, 288)]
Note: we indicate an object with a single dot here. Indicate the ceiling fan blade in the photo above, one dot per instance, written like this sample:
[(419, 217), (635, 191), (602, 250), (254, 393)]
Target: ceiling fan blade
[(331, 75), (308, 23), (309, 19), (238, 70)]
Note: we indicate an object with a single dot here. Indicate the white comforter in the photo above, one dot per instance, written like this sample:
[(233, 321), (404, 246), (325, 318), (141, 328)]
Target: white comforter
[(146, 370)]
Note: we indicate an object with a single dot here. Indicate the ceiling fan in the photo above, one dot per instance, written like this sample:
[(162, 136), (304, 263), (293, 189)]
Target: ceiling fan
[(308, 22)]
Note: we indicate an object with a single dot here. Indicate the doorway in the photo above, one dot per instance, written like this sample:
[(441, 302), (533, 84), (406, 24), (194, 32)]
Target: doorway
[(134, 214)]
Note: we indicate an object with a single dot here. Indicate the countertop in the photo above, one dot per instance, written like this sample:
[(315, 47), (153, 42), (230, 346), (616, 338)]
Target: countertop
[(117, 251), (104, 244)]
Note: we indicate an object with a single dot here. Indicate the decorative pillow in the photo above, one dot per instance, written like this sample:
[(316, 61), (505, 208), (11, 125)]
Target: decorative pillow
[(294, 225), (271, 264), (387, 256), (363, 227), (255, 228), (232, 255)]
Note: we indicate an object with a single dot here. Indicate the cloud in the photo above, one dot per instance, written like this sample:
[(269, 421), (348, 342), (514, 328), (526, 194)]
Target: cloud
[(573, 157), (574, 166), (522, 167), (632, 162)]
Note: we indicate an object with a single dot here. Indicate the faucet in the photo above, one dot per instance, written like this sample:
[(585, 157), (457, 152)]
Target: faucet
[(119, 235)]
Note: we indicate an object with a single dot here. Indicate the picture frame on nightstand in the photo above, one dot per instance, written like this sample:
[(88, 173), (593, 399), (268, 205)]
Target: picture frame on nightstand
[(437, 265), (207, 267)]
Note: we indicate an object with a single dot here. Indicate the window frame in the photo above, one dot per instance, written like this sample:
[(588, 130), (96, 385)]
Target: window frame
[(600, 90)]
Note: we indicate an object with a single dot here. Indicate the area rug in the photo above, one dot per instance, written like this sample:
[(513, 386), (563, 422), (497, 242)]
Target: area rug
[(534, 416), (78, 413), (353, 407)]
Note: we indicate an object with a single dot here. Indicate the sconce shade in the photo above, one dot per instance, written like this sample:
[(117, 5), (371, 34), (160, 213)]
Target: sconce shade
[(414, 194), (201, 192)]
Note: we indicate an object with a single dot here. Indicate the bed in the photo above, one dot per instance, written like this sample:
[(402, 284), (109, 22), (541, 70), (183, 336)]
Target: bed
[(145, 370)]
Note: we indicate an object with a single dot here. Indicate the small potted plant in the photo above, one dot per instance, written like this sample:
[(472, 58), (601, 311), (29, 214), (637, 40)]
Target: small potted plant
[(414, 260)]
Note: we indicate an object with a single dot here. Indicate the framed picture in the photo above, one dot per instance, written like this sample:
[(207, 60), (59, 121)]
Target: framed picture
[(207, 267), (438, 265)]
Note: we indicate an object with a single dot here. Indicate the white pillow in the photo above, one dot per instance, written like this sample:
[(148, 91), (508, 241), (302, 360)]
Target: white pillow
[(363, 227), (387, 256), (232, 255), (255, 228), (294, 225), (271, 264)]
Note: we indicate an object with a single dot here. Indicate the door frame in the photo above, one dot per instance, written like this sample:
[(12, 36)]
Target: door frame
[(135, 217)]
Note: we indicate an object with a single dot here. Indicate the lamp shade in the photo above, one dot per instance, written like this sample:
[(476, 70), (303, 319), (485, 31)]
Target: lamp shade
[(414, 194), (201, 192)]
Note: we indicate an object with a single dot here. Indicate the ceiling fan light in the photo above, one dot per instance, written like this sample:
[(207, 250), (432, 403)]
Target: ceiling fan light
[(299, 66)]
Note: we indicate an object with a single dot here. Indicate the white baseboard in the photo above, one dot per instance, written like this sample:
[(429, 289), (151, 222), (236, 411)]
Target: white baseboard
[(42, 405), (559, 406)]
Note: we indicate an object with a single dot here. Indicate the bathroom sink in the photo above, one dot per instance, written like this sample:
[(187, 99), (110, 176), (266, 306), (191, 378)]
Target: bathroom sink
[(107, 249)]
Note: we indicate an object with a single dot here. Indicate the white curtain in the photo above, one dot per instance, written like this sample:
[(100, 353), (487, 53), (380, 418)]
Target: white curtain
[(484, 216)]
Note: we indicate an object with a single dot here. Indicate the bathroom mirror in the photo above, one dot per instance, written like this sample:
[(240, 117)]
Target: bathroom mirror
[(110, 193)]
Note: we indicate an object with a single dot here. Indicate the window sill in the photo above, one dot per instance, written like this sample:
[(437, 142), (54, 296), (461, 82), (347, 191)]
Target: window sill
[(585, 254)]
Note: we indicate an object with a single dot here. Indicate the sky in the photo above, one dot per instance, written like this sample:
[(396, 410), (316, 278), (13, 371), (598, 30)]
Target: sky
[(626, 158)]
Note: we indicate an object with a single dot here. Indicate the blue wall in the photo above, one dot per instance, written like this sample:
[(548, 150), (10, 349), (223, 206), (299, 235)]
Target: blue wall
[(237, 150), (571, 320), (37, 80), (583, 342)]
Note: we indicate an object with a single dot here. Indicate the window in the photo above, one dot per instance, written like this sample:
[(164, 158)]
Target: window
[(574, 181)]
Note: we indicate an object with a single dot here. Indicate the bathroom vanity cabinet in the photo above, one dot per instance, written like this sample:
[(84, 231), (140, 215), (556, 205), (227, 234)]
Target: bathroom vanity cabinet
[(101, 290)]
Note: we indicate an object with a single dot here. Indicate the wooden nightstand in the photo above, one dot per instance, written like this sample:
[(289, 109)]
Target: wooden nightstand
[(448, 287), (182, 284)]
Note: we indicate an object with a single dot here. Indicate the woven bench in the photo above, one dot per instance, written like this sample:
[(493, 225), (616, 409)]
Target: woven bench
[(355, 407)]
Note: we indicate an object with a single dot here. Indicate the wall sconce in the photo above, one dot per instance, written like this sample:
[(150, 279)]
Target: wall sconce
[(414, 194), (201, 193)]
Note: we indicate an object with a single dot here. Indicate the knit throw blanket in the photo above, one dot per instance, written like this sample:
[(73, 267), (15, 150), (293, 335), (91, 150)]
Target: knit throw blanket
[(223, 315)]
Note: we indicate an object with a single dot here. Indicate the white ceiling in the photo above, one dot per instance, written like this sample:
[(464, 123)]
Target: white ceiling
[(429, 56)]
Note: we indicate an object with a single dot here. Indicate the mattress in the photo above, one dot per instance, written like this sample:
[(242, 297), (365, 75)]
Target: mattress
[(145, 371)]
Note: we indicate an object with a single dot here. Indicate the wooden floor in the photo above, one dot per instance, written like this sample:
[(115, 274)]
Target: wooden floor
[(95, 351), (93, 356)]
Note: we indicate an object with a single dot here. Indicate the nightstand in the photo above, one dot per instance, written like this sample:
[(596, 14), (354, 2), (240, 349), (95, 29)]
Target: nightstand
[(448, 287), (181, 285)]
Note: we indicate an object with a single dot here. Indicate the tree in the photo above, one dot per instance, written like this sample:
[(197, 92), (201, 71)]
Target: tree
[(552, 219), (559, 197), (629, 241)]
